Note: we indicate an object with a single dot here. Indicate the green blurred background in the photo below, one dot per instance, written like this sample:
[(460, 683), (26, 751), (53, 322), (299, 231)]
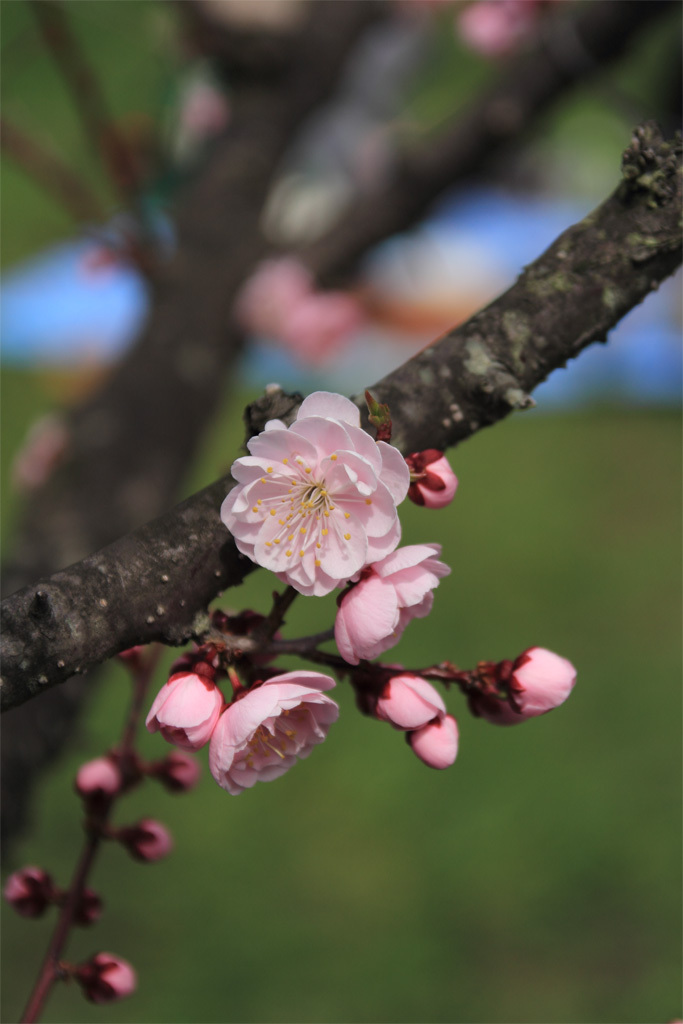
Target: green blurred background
[(538, 880)]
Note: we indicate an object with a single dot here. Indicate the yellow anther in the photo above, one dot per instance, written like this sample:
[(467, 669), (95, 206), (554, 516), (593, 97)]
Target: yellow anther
[(308, 469), (258, 501), (347, 536), (347, 515), (289, 554), (255, 508), (302, 552), (263, 479), (268, 544), (277, 540), (333, 457), (368, 501), (273, 512), (285, 461), (332, 508), (326, 513), (323, 491), (317, 544), (317, 561), (291, 537), (325, 533), (302, 530), (269, 469), (281, 522)]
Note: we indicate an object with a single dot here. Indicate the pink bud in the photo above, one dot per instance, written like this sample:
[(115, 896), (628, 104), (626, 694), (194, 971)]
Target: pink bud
[(433, 482), (436, 743), (539, 681), (409, 702), (148, 841), (186, 710), (106, 978), (178, 772), (89, 908), (30, 891), (100, 778)]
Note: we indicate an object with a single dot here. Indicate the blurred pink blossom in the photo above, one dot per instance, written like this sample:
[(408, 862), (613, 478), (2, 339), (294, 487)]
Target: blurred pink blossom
[(179, 772), (280, 301), (185, 710), (43, 449), (435, 483), (496, 27), (315, 502), (436, 743), (374, 612), (262, 733)]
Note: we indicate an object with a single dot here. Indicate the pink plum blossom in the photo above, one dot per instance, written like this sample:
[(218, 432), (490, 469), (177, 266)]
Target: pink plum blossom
[(437, 742), (374, 612), (106, 978), (30, 891), (494, 28), (280, 302), (433, 482), (261, 734), (316, 502), (409, 702), (148, 840), (186, 709), (540, 681)]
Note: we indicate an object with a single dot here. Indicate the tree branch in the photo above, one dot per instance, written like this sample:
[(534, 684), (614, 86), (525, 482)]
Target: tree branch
[(155, 584)]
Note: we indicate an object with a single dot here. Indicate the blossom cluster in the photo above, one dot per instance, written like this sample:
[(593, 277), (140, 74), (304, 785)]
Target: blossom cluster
[(316, 502)]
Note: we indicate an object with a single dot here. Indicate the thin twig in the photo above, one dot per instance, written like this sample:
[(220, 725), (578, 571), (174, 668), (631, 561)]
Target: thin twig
[(51, 173), (51, 970)]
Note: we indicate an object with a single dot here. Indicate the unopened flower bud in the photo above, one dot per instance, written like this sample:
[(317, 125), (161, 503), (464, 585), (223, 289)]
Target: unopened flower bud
[(433, 482), (100, 779), (148, 840), (89, 908), (409, 702), (539, 681), (30, 891), (436, 743), (179, 772), (105, 978), (186, 710)]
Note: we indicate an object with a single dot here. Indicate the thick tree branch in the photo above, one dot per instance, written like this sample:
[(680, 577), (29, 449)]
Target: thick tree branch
[(156, 583)]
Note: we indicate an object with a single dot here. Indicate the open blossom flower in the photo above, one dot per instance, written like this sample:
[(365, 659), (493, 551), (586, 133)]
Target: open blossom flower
[(374, 612), (106, 978), (260, 735), (186, 709), (540, 681), (315, 502), (409, 702), (436, 743), (435, 482)]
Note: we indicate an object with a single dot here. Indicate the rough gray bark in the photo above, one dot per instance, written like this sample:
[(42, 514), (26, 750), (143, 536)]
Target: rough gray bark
[(155, 584)]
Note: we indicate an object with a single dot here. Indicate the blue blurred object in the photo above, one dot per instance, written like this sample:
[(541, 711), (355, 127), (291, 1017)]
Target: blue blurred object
[(74, 304), (62, 308)]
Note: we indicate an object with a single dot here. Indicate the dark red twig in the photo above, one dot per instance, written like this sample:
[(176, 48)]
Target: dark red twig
[(52, 969)]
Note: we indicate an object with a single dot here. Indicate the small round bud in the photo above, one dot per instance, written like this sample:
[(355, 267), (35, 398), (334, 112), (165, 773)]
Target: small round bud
[(436, 743), (433, 482), (99, 779), (30, 891), (89, 908), (179, 772), (105, 978), (409, 702), (147, 841), (534, 684)]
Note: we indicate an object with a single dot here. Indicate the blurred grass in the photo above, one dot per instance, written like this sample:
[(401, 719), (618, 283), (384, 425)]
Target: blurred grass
[(538, 880)]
